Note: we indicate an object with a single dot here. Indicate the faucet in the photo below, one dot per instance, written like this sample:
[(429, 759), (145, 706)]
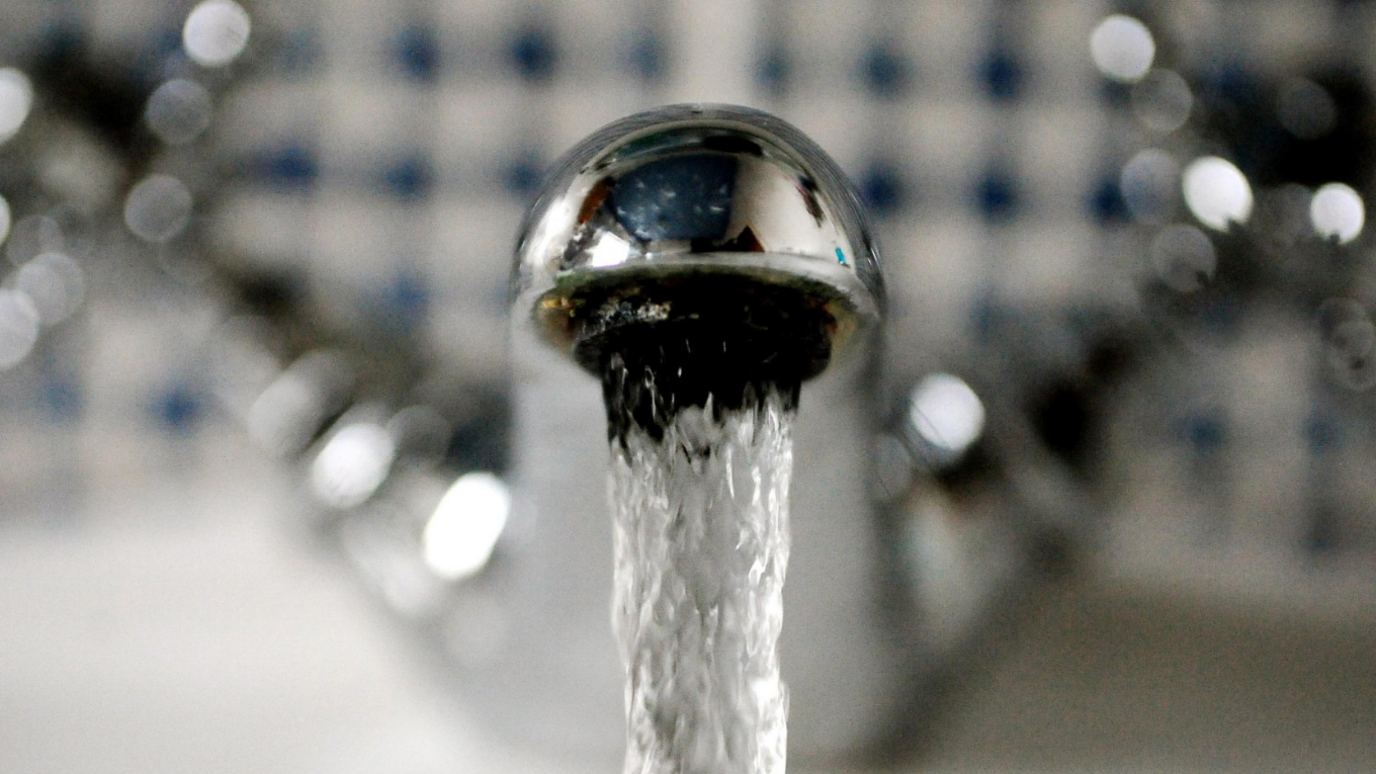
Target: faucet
[(678, 214), (647, 223)]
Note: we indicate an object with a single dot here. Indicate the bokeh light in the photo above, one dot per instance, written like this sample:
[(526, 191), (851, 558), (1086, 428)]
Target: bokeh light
[(1337, 212), (55, 283), (16, 100), (32, 236), (158, 208), (1183, 257), (1148, 183), (1122, 48), (1217, 192), (1162, 101), (946, 413), (291, 410), (1306, 109), (216, 32), (178, 111), (18, 327), (463, 531), (352, 464)]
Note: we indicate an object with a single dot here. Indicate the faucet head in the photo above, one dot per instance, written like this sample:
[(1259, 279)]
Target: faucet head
[(694, 212)]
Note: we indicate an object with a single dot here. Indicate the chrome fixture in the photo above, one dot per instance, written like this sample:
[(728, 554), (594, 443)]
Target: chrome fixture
[(652, 218)]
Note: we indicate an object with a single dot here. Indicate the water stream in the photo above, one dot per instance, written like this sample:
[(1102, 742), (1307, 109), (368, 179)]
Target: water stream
[(700, 494)]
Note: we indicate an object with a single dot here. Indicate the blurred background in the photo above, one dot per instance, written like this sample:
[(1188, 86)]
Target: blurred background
[(255, 377)]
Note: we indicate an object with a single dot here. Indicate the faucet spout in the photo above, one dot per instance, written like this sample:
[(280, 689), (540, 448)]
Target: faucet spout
[(715, 258), (693, 219)]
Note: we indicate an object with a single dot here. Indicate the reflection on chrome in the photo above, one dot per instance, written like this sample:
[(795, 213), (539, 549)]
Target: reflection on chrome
[(158, 208), (1217, 192), (178, 111), (16, 99), (55, 283), (216, 32), (610, 250), (18, 327), (464, 529), (1162, 101), (1337, 212), (1148, 184), (352, 464), (946, 413), (1183, 257), (1122, 48)]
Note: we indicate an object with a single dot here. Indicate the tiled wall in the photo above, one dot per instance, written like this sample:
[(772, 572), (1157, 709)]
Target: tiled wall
[(386, 152)]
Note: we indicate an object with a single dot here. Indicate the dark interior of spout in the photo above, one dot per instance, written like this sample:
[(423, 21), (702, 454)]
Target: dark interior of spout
[(671, 345)]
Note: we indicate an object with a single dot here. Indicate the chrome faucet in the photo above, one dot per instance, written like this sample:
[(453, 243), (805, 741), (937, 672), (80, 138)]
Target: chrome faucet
[(695, 195)]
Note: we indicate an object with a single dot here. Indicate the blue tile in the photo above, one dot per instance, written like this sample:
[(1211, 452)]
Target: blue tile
[(773, 70), (178, 408), (645, 56), (62, 398), (292, 166), (1205, 432), (882, 189), (522, 175), (1115, 95), (409, 178), (417, 53), (401, 304), (997, 196), (533, 53), (1106, 203), (1001, 75), (885, 71), (298, 53)]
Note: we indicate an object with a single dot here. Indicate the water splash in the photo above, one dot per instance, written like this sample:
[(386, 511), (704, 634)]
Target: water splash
[(701, 533)]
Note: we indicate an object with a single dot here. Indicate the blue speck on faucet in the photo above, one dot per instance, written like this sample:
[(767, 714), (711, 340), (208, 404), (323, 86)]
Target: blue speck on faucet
[(840, 257)]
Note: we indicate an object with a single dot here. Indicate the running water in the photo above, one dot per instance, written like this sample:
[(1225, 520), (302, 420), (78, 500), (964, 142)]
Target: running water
[(700, 495)]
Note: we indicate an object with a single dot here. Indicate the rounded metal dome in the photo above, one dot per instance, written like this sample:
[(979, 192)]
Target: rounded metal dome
[(694, 190)]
